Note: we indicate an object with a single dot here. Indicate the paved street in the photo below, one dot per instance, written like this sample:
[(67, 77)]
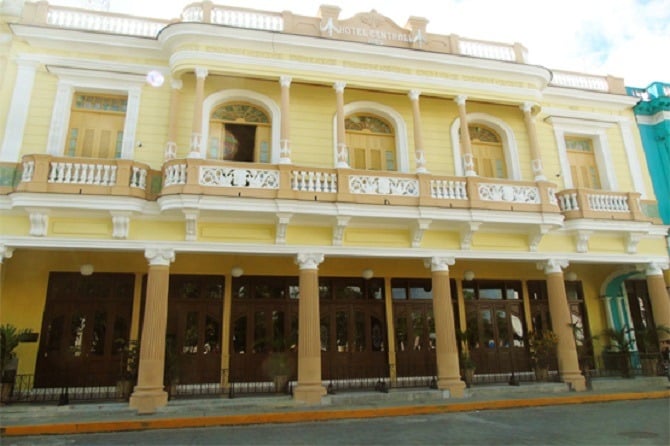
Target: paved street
[(643, 422)]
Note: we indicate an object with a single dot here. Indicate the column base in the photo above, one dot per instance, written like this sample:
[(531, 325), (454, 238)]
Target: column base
[(309, 393), (576, 381), (456, 387), (147, 400)]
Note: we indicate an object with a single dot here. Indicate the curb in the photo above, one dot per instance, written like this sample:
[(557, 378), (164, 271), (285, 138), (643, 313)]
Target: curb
[(318, 415)]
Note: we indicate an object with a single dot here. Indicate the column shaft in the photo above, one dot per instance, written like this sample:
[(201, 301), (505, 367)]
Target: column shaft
[(448, 370), (418, 133), (660, 302), (536, 158), (568, 363), (342, 150), (466, 144), (149, 395), (200, 75), (285, 137), (309, 388)]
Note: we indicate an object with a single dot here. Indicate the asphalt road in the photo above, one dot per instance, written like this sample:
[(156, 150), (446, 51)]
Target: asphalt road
[(640, 422)]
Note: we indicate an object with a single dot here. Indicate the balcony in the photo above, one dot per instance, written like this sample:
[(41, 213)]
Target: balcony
[(86, 176)]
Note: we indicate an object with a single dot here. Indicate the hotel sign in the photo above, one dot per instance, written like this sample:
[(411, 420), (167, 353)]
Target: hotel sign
[(375, 29)]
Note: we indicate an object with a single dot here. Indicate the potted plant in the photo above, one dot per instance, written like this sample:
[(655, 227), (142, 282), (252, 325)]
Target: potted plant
[(129, 364), (647, 340), (466, 363), (171, 367), (616, 355), (279, 366), (542, 349), (10, 337)]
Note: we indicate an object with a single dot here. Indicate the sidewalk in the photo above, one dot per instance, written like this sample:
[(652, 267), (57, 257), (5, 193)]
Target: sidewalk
[(31, 419)]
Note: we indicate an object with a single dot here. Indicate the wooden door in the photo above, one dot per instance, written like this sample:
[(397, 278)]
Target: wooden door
[(371, 151), (194, 330), (85, 328), (95, 133)]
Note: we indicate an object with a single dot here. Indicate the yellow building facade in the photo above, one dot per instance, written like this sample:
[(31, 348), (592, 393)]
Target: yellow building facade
[(375, 202)]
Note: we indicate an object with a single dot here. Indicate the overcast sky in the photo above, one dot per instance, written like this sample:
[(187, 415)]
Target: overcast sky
[(623, 38)]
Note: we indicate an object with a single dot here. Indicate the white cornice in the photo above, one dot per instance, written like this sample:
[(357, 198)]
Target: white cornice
[(86, 40), (566, 116), (653, 119), (81, 202), (324, 73), (58, 64), (576, 97), (328, 251)]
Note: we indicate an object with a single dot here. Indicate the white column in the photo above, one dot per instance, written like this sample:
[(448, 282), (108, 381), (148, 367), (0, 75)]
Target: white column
[(18, 111), (342, 149), (60, 117), (285, 131), (418, 132)]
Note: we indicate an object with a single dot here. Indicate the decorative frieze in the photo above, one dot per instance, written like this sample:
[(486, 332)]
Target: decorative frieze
[(366, 184), (509, 193), (231, 177)]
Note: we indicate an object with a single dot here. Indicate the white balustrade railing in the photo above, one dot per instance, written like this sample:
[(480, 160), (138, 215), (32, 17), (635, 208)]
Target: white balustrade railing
[(448, 189), (28, 171), (220, 176), (509, 193), (247, 19), (486, 50), (608, 203), (373, 185), (138, 178), (575, 80), (568, 202), (104, 22), (311, 181), (192, 14), (174, 175), (95, 174)]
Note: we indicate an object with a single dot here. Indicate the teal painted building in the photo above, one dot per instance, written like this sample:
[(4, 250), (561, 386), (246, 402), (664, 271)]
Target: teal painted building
[(653, 119)]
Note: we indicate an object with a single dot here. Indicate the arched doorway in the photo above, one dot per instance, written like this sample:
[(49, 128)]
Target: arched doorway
[(240, 132), (371, 143)]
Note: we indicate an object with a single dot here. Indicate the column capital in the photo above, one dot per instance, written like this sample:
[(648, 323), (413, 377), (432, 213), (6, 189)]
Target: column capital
[(439, 263), (5, 252), (527, 107), (553, 266), (308, 260), (460, 99), (201, 72), (159, 256), (176, 84), (339, 86), (285, 81), (414, 94), (653, 268)]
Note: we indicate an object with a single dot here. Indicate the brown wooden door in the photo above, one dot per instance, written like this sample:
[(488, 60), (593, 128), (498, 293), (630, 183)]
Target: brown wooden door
[(415, 338), (353, 341), (499, 345), (194, 331), (85, 327)]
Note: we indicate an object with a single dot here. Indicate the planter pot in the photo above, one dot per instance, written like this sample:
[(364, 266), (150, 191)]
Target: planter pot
[(124, 388), (541, 374), (469, 376), (281, 383)]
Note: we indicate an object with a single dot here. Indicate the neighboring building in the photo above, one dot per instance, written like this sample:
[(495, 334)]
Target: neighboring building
[(407, 186), (653, 119)]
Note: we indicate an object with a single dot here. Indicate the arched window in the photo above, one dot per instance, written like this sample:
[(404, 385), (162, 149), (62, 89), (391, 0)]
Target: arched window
[(239, 131), (371, 142), (487, 151)]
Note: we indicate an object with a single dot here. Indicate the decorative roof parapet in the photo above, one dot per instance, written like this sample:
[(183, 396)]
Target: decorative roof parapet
[(369, 28)]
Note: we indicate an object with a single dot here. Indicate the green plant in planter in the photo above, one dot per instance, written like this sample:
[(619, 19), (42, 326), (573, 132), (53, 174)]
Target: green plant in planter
[(647, 338), (10, 337), (542, 345), (128, 366), (620, 344)]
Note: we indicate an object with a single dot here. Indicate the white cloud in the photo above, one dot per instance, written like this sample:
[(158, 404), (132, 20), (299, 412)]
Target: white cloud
[(559, 35)]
